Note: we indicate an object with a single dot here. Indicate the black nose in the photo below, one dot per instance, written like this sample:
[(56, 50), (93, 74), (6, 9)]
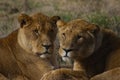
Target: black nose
[(46, 46), (67, 50)]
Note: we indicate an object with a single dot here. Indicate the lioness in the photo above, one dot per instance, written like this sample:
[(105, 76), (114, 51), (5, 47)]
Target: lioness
[(92, 49), (28, 51)]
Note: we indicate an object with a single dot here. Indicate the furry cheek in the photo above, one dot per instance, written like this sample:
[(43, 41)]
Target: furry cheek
[(62, 52)]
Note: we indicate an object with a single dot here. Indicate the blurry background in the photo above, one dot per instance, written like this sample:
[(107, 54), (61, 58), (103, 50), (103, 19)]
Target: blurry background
[(105, 13)]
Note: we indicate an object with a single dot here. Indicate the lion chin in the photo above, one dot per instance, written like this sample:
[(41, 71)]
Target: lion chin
[(67, 60), (44, 55)]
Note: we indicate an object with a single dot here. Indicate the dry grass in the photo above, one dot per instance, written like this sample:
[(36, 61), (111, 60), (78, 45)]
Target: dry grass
[(102, 12)]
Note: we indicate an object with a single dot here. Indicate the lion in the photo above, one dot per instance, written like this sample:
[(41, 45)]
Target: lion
[(64, 74), (90, 48), (113, 74), (28, 51), (2, 77)]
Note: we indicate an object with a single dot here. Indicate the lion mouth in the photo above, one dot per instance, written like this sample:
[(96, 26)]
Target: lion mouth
[(43, 55), (67, 60)]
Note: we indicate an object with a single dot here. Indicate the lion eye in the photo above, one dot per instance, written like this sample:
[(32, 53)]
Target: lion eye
[(78, 37), (36, 32), (63, 35)]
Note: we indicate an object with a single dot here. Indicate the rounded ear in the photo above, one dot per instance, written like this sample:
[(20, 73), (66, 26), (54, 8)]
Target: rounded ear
[(60, 23), (54, 19), (24, 19), (96, 29), (93, 28)]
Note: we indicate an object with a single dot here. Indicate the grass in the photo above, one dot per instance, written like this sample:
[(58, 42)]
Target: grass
[(99, 19), (103, 20), (105, 13)]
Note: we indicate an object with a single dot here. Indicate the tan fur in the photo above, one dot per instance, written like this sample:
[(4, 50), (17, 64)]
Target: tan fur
[(113, 74), (2, 77), (64, 74), (92, 49), (23, 53)]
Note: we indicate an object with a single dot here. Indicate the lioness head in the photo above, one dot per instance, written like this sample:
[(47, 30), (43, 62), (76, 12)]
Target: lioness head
[(37, 33), (78, 39)]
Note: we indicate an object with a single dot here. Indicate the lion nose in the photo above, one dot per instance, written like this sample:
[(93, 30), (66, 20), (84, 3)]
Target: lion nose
[(46, 46), (67, 50)]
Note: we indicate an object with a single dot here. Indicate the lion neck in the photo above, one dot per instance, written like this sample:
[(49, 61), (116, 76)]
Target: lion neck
[(77, 66), (110, 37)]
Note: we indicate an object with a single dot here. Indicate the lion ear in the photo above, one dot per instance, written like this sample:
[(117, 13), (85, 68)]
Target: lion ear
[(54, 19), (60, 23), (94, 29), (24, 19)]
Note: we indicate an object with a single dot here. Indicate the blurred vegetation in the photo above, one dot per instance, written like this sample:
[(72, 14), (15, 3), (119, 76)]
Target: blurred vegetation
[(103, 20), (105, 13)]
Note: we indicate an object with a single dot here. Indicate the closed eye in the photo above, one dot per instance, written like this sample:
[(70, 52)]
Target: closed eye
[(36, 32), (63, 36), (78, 36)]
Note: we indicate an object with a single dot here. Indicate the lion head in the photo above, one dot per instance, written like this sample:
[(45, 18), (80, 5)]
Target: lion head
[(78, 39), (37, 33)]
